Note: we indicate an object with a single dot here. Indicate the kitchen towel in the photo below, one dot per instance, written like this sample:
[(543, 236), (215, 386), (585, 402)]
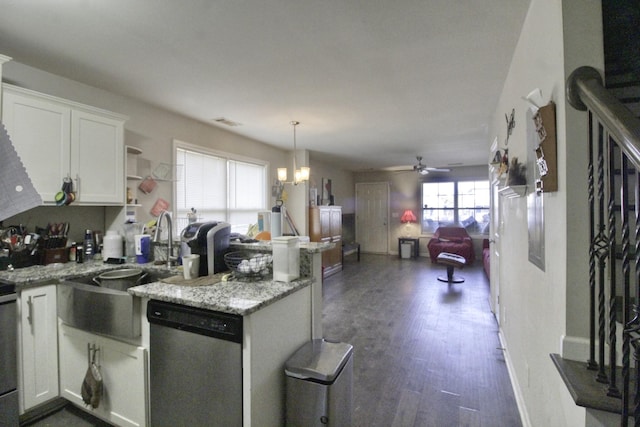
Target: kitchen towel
[(91, 389), (16, 189), (92, 386)]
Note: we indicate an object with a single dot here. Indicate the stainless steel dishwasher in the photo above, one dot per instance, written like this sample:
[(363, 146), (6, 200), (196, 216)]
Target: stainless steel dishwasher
[(195, 362)]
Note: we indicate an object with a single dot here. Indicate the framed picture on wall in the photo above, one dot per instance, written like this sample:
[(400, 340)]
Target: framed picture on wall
[(313, 196), (535, 206), (326, 190)]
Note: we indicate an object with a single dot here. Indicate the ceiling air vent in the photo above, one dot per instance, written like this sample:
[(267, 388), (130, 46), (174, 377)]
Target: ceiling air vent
[(224, 121)]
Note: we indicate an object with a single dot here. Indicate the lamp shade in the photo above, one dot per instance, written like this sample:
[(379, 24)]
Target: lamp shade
[(305, 173), (282, 174), (407, 217)]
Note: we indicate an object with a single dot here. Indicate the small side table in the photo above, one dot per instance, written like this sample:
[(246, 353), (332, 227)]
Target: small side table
[(413, 240)]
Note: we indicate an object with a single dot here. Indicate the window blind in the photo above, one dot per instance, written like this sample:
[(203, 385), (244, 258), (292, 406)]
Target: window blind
[(220, 189)]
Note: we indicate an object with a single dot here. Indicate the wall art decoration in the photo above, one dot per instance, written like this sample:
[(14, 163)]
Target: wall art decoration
[(326, 191), (313, 196), (511, 123), (535, 199), (546, 151)]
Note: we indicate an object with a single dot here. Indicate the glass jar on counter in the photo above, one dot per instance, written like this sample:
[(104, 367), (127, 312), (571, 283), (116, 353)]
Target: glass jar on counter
[(72, 252)]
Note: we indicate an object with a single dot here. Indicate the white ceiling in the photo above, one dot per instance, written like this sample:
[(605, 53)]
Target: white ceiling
[(373, 82)]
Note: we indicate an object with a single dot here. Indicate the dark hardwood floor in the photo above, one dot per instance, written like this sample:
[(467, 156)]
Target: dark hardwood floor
[(68, 416), (426, 353)]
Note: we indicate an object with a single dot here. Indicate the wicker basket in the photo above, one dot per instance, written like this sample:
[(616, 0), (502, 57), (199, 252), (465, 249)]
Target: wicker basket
[(249, 264)]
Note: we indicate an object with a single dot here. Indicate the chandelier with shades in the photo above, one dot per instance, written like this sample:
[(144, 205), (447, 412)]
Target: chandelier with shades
[(299, 174)]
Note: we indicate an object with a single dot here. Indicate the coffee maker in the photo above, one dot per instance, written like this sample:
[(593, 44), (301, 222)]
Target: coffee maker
[(210, 240)]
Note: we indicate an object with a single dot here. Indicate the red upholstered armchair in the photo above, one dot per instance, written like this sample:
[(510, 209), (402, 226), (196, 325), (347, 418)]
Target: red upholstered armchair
[(454, 240), (486, 257)]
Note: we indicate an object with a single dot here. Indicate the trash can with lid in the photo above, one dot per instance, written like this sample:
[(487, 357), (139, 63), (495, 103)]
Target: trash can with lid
[(406, 249), (319, 379)]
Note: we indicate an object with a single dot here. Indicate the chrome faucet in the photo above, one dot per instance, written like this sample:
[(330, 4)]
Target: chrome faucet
[(156, 236)]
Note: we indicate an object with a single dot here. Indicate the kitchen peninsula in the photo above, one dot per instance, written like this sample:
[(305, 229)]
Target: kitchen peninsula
[(276, 321), (277, 317)]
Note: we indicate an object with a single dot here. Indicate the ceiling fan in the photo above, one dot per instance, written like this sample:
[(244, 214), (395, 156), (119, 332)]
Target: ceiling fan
[(424, 169)]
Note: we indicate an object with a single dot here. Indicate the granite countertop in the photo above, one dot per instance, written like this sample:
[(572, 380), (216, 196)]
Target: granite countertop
[(41, 274), (234, 297), (265, 245)]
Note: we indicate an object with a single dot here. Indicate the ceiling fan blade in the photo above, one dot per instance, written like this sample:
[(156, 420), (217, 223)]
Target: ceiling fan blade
[(421, 168), (400, 168)]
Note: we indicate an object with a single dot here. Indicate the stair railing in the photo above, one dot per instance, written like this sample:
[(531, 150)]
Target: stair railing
[(614, 162)]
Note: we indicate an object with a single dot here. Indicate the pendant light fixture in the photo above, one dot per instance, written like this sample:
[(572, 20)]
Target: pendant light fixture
[(299, 175)]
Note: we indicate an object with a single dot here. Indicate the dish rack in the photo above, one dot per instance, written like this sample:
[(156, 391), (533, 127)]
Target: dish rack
[(249, 264)]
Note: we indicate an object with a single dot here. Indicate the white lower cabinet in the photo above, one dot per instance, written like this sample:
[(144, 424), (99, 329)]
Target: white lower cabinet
[(123, 368), (38, 346)]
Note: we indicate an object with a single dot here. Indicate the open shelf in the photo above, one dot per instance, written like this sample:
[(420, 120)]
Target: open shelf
[(133, 150), (512, 191)]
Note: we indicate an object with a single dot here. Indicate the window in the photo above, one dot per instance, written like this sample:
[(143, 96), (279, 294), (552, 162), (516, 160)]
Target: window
[(219, 187), (438, 201), (456, 202)]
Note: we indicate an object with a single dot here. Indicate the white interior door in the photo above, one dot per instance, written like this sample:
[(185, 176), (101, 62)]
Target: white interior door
[(372, 217)]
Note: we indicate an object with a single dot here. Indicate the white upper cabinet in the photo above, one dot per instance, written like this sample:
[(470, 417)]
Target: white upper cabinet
[(56, 139), (3, 59), (40, 133), (97, 158)]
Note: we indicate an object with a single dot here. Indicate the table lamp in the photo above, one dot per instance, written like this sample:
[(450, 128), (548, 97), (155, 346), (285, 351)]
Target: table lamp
[(407, 218)]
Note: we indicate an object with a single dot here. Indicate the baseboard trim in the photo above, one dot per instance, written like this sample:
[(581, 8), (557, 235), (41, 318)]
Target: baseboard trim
[(574, 348), (43, 410), (515, 385)]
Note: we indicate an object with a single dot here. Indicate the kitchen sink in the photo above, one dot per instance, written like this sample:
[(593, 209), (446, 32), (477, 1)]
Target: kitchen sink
[(85, 305)]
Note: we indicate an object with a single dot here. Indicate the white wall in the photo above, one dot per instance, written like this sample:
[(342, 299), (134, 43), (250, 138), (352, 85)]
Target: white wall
[(538, 308), (583, 46), (342, 184)]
